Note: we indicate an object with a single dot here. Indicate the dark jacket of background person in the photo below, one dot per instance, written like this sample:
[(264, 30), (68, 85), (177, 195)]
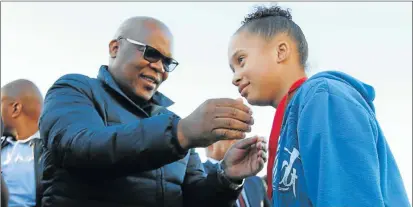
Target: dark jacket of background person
[(253, 186), (4, 193), (95, 117)]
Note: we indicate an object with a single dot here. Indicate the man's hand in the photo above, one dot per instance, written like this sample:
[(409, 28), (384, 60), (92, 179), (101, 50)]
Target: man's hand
[(214, 120), (245, 158)]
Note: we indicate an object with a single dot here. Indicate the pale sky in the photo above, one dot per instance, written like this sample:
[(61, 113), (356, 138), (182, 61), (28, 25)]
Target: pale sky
[(371, 41)]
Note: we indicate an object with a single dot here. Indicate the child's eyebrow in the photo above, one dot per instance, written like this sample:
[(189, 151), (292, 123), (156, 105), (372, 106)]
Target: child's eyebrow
[(235, 53)]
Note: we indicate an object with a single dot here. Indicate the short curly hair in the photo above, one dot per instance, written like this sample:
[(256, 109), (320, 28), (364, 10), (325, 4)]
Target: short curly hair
[(273, 20)]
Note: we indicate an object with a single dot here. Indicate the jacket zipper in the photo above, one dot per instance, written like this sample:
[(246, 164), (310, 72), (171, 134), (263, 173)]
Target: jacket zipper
[(36, 174)]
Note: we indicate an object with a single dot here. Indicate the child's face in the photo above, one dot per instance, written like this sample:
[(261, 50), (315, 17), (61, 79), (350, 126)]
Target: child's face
[(256, 71)]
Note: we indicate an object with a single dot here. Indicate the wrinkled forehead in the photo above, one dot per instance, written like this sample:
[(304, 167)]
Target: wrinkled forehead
[(154, 35), (162, 41)]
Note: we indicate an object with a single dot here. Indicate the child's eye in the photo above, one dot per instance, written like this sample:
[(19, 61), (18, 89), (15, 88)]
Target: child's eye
[(240, 59)]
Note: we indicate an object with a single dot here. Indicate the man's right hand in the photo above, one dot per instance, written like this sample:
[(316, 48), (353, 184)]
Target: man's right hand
[(214, 120)]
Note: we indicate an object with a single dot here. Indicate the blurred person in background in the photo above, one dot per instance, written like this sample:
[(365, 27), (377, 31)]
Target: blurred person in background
[(254, 193), (21, 146)]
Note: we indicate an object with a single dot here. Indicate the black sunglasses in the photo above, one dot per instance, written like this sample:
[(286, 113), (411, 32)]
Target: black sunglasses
[(153, 55)]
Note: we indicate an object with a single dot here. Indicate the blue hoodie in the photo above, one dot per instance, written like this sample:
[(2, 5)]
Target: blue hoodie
[(332, 151)]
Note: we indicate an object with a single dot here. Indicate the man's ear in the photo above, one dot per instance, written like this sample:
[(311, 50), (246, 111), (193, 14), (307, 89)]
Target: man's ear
[(283, 51), (113, 48), (16, 109)]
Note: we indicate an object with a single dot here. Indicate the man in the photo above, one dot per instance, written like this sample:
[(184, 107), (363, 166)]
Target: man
[(111, 141), (331, 150), (253, 194), (21, 146)]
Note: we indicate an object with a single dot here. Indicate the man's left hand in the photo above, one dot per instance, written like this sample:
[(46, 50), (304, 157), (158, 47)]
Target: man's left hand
[(245, 158)]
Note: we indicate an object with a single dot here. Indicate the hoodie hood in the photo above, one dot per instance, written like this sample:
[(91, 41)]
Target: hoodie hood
[(366, 91)]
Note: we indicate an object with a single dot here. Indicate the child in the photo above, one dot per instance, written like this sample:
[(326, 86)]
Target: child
[(326, 146)]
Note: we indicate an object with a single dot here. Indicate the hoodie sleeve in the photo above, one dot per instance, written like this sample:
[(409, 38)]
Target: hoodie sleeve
[(337, 140)]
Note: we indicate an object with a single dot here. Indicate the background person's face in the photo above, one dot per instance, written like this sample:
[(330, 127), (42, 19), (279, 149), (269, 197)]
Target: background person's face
[(133, 73), (255, 68), (7, 115)]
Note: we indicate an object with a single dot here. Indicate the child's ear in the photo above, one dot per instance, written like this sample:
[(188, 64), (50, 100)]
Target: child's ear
[(283, 51)]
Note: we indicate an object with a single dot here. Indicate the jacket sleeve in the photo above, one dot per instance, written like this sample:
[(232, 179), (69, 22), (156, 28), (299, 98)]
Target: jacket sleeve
[(201, 189), (337, 140), (78, 139)]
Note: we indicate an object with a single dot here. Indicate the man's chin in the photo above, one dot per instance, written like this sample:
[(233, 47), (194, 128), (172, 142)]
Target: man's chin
[(146, 96), (143, 95)]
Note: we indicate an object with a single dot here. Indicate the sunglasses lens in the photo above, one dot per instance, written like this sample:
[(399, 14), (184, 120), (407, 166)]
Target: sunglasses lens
[(169, 65), (152, 55)]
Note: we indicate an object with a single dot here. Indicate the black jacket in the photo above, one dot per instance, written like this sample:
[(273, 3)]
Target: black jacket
[(37, 146), (253, 186), (103, 149)]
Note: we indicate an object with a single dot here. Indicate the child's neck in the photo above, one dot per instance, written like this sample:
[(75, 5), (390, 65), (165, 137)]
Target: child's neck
[(289, 80)]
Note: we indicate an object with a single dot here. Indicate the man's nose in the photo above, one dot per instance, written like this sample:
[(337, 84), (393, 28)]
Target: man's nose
[(158, 66)]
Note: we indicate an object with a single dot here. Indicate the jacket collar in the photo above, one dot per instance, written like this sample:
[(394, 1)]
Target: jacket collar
[(105, 76), (5, 140), (212, 160)]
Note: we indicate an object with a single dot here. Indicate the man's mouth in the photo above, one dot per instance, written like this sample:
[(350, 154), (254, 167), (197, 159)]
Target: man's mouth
[(149, 78)]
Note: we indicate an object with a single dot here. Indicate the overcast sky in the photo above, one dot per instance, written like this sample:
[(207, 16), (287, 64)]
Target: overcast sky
[(371, 41)]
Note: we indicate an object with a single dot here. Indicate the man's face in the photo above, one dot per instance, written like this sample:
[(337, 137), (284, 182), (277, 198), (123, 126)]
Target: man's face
[(255, 68), (133, 72), (8, 114)]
